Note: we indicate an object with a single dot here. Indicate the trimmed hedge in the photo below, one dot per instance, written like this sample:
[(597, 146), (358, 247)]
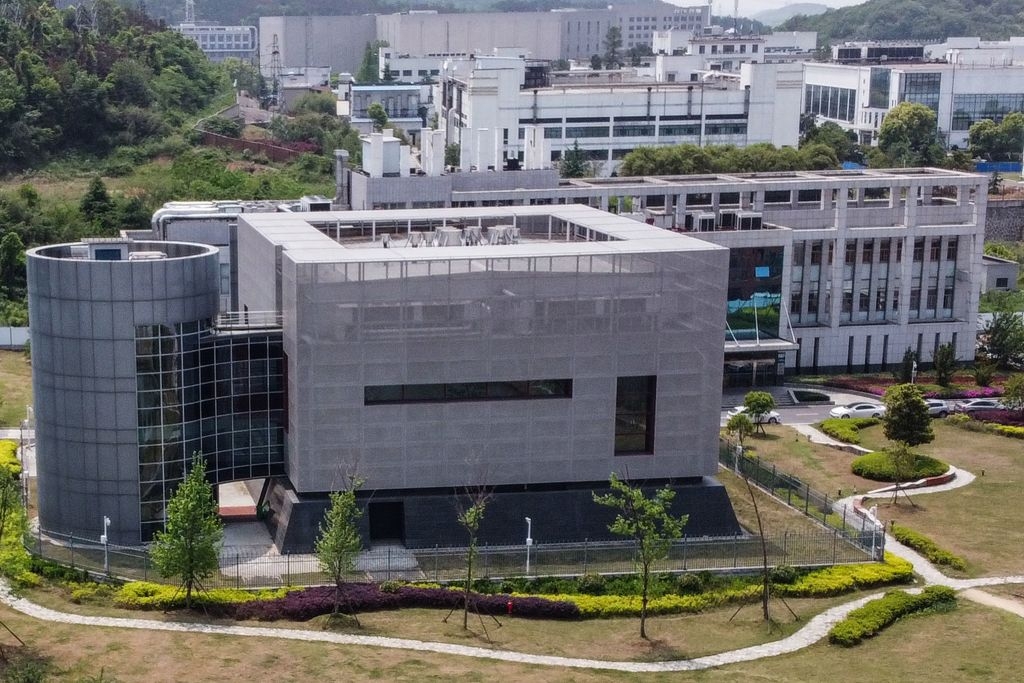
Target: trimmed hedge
[(928, 548), (975, 423), (9, 457), (819, 583), (1010, 418), (878, 466), (304, 604), (847, 428), (145, 595), (870, 619)]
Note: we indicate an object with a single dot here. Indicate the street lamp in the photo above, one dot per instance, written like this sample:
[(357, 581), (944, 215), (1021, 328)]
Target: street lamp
[(529, 542), (913, 372), (106, 545)]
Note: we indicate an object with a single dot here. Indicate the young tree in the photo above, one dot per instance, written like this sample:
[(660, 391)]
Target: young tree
[(1003, 339), (1013, 392), (453, 155), (368, 73), (759, 404), (471, 515), (612, 48), (904, 464), (339, 542), (96, 203), (574, 162), (188, 546), (649, 522), (906, 415), (595, 62), (944, 363), (378, 115), (741, 426), (904, 372)]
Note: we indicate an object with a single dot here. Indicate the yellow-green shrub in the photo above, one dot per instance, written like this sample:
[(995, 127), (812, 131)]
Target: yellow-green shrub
[(876, 615), (846, 428), (927, 547), (9, 457), (1007, 430), (845, 578), (605, 606), (89, 591), (145, 595)]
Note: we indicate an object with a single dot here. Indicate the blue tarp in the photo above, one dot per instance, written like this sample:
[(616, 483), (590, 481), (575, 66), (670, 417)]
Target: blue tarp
[(997, 166)]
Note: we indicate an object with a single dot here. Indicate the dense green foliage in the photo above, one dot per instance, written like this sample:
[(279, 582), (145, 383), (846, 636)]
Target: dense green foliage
[(845, 429), (1002, 340), (908, 137), (65, 87), (691, 159), (906, 416), (878, 466), (187, 549), (997, 141), (9, 462), (915, 19), (870, 619), (927, 547), (145, 595)]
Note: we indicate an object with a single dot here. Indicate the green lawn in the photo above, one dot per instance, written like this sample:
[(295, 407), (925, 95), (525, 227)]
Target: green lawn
[(15, 387), (981, 522), (971, 644)]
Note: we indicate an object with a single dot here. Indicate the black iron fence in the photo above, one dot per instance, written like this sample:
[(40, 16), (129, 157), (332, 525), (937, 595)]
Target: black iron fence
[(800, 496)]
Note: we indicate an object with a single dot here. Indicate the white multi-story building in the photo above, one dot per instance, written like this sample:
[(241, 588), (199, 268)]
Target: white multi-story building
[(858, 97), (486, 104), (222, 42)]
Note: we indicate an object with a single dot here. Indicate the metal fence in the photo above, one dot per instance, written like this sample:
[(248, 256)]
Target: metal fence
[(800, 496), (245, 570)]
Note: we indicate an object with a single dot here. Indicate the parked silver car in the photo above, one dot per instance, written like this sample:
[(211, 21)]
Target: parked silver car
[(772, 417), (937, 407), (975, 404), (858, 409)]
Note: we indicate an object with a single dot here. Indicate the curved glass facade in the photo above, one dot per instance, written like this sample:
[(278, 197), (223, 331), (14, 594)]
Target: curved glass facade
[(206, 390)]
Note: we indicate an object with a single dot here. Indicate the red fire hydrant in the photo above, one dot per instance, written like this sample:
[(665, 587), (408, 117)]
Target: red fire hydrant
[(508, 607)]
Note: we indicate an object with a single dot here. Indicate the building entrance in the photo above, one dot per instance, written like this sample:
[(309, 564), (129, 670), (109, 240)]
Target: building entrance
[(387, 522)]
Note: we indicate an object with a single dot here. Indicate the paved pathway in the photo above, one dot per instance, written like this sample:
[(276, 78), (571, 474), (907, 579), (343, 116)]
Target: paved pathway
[(815, 629), (815, 435)]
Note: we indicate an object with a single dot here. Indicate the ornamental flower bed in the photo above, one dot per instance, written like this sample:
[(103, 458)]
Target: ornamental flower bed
[(303, 605), (963, 385), (1013, 418)]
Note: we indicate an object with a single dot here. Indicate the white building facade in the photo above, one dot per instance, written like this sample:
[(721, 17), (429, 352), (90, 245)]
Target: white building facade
[(487, 104)]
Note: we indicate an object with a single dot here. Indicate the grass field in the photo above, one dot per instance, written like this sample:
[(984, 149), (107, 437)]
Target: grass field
[(967, 645), (15, 387), (981, 522)]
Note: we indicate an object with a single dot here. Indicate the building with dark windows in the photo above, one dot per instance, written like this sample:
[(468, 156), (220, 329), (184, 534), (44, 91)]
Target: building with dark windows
[(533, 350)]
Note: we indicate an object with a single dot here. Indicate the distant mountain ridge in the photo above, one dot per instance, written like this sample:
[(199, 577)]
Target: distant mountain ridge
[(774, 17), (915, 20)]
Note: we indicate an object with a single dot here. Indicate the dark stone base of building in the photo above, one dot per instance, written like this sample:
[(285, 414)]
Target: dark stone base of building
[(425, 518)]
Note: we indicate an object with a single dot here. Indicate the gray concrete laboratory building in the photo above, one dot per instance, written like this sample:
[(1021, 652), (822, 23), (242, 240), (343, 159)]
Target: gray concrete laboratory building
[(532, 350)]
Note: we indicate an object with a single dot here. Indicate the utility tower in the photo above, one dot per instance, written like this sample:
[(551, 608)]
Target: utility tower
[(190, 12)]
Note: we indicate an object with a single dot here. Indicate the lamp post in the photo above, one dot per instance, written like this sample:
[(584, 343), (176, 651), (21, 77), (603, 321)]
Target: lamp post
[(106, 545), (913, 373), (529, 542)]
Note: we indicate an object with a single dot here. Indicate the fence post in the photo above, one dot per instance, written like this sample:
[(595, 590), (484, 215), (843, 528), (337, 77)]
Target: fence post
[(72, 551), (825, 510), (785, 547), (487, 562), (586, 548), (835, 542), (145, 567), (735, 550), (435, 562), (288, 560), (807, 498), (39, 540), (845, 508), (684, 551), (238, 577), (389, 564), (775, 478)]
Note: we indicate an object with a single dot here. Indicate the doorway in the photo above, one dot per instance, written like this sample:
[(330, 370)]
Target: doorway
[(387, 522)]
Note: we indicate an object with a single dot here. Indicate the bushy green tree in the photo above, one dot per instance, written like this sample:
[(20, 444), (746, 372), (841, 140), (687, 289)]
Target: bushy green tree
[(1013, 392), (649, 522), (741, 427), (573, 163), (1003, 339), (906, 416), (339, 543), (452, 154), (188, 546), (378, 115), (612, 48), (758, 405), (904, 372), (909, 136), (944, 364)]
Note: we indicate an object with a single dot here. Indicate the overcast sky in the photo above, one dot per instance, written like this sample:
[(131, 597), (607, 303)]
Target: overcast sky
[(751, 7)]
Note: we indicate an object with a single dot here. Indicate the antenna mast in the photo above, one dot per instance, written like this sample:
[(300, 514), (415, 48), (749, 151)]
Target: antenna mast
[(190, 11)]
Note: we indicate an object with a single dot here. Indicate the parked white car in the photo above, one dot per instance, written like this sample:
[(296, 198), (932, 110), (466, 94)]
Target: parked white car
[(858, 409), (972, 405), (937, 407), (772, 417)]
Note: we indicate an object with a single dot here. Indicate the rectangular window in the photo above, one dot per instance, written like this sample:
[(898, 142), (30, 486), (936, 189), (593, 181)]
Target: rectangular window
[(933, 299), (851, 253), (467, 391), (634, 414), (951, 249), (936, 250), (816, 253), (573, 132), (883, 251), (919, 249), (868, 251)]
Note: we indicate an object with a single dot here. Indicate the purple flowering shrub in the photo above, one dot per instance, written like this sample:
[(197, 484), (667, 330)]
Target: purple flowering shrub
[(1013, 418), (304, 604), (963, 386)]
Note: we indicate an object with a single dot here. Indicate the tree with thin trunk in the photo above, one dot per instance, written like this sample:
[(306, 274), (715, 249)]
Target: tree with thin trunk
[(339, 542), (471, 515), (189, 545), (1013, 392), (904, 464), (944, 364), (741, 426), (649, 522), (758, 405)]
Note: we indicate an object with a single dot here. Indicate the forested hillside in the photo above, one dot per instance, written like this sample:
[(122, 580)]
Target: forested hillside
[(916, 19), (66, 87)]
